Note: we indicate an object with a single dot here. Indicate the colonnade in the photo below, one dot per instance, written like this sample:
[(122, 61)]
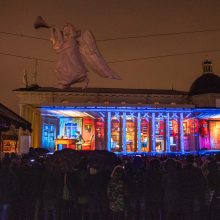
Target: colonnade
[(151, 117)]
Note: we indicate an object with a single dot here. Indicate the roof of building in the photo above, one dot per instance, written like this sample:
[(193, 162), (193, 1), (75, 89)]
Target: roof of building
[(104, 90), (8, 117), (206, 83)]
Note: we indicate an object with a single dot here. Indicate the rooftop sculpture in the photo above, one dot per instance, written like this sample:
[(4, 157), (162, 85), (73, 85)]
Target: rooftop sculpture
[(77, 53)]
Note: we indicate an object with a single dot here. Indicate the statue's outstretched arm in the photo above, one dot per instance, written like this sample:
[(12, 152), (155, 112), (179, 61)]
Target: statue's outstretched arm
[(52, 36), (56, 37)]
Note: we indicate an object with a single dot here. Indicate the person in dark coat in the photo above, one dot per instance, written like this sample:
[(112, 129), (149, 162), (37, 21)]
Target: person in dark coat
[(68, 207), (117, 193), (193, 185), (153, 190), (50, 196), (171, 190), (214, 183), (135, 180), (8, 189), (82, 188), (96, 192)]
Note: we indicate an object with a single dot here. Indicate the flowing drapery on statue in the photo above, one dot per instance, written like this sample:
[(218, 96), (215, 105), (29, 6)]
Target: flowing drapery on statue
[(77, 53), (92, 56), (69, 68)]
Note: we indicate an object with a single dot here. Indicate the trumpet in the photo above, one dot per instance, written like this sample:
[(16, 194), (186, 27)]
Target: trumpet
[(40, 23)]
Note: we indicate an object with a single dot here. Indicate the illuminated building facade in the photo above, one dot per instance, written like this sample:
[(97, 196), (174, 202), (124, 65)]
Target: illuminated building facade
[(126, 120)]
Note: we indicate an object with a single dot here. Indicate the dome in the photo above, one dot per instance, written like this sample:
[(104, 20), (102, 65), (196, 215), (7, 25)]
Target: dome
[(206, 83)]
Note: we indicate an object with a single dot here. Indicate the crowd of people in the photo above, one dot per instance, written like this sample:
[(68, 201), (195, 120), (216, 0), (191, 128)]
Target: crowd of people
[(137, 187)]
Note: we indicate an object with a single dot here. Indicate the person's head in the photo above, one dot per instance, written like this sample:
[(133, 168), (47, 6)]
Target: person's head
[(118, 172), (190, 159), (170, 165), (212, 166), (178, 165), (69, 31), (83, 164), (137, 162), (155, 163), (92, 171), (217, 157)]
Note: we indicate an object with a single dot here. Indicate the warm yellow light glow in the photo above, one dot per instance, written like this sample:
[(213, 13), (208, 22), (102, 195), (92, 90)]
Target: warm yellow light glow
[(68, 113), (215, 116)]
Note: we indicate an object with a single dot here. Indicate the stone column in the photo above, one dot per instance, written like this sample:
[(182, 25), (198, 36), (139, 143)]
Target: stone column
[(124, 142), (36, 126), (25, 112), (139, 132), (109, 131), (153, 135), (168, 132), (181, 133)]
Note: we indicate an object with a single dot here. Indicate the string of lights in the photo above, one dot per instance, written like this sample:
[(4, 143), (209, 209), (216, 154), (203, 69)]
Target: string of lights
[(122, 38), (122, 60)]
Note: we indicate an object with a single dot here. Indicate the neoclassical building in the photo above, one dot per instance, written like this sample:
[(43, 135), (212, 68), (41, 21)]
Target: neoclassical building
[(126, 120)]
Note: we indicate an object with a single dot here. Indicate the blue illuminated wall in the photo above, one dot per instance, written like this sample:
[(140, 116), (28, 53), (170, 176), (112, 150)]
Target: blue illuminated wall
[(69, 126), (49, 131), (175, 129)]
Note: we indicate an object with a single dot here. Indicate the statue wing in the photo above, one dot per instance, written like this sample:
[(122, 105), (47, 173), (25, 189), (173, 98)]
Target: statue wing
[(92, 56)]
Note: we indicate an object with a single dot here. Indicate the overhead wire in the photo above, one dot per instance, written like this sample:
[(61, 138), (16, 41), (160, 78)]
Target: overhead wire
[(23, 35), (122, 60), (120, 38), (26, 57), (166, 55), (160, 35)]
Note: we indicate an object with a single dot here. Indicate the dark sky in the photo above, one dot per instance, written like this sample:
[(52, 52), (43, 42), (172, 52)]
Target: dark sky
[(113, 19)]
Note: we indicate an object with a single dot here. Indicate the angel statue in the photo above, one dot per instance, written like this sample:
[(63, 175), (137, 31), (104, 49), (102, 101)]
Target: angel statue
[(77, 52)]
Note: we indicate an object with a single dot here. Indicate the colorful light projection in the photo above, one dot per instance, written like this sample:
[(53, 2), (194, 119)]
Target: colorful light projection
[(131, 139), (116, 134), (61, 124), (174, 135), (159, 131), (215, 135), (99, 134), (204, 137), (128, 130), (88, 133), (145, 146), (191, 135), (69, 126), (49, 133)]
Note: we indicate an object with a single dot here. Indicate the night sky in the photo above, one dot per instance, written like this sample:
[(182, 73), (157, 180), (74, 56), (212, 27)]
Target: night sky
[(141, 62)]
